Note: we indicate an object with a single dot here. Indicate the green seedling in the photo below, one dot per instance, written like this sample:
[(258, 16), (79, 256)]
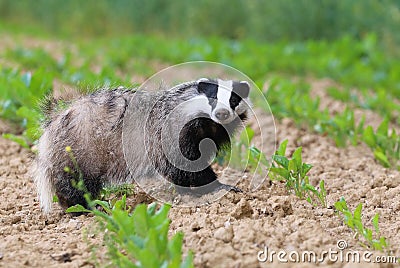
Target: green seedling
[(139, 238), (117, 191), (386, 147), (342, 128), (243, 155), (372, 237), (294, 173)]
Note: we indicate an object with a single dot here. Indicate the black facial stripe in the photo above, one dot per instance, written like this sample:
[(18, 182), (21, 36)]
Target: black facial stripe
[(213, 103), (234, 100), (209, 88)]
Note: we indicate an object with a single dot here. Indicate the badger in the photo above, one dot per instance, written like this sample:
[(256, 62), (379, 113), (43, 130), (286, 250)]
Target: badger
[(114, 136)]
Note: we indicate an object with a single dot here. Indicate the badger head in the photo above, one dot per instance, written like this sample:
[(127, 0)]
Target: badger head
[(227, 99)]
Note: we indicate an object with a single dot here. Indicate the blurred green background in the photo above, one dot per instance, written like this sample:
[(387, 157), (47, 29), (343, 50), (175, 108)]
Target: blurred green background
[(273, 20)]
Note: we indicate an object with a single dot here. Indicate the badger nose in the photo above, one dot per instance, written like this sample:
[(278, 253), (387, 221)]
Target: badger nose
[(222, 114)]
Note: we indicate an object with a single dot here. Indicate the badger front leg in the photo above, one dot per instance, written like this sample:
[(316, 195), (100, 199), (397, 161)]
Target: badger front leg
[(70, 193), (198, 183)]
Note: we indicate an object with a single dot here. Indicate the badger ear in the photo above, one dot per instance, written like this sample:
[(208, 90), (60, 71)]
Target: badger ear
[(202, 80), (241, 88), (208, 87)]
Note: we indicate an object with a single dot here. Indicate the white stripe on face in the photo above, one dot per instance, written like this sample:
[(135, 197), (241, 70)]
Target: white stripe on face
[(196, 105), (224, 94)]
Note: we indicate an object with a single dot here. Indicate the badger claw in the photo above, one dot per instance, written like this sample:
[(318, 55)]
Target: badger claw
[(229, 188), (206, 189)]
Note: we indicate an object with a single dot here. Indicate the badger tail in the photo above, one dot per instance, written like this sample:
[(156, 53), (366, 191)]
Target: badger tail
[(42, 176)]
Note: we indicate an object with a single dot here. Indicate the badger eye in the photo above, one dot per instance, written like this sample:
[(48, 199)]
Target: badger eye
[(234, 100), (213, 102)]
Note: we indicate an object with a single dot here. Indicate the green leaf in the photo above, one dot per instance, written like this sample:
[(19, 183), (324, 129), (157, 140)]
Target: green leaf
[(281, 160), (322, 187), (357, 212), (151, 209), (175, 247), (257, 155), (341, 205), (77, 209), (376, 245), (383, 242), (29, 114), (151, 243), (350, 221), (297, 158), (369, 137), (383, 128), (310, 188), (188, 262), (375, 222), (280, 172), (381, 157), (305, 168), (140, 220), (367, 233), (161, 215), (282, 148), (104, 204), (247, 136)]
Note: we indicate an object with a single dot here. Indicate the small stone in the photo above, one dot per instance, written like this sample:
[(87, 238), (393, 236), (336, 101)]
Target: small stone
[(224, 234), (15, 219), (62, 257), (195, 226), (242, 209), (391, 182)]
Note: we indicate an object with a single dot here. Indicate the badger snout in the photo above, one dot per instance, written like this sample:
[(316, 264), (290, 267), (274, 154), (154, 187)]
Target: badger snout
[(222, 114)]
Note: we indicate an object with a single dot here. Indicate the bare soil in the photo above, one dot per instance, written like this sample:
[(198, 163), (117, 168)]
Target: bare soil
[(227, 233)]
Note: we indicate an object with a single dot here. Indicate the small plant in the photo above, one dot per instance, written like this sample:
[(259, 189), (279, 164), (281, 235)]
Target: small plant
[(386, 147), (243, 154), (294, 173), (342, 127), (117, 191), (140, 238), (353, 220)]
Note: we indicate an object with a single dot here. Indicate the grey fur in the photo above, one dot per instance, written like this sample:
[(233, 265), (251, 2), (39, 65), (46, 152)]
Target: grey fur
[(92, 126)]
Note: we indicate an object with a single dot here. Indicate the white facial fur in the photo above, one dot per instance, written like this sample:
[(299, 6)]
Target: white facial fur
[(196, 105), (223, 95)]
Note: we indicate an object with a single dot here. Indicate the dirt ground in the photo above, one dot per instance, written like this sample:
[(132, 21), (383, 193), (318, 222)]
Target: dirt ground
[(227, 233)]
